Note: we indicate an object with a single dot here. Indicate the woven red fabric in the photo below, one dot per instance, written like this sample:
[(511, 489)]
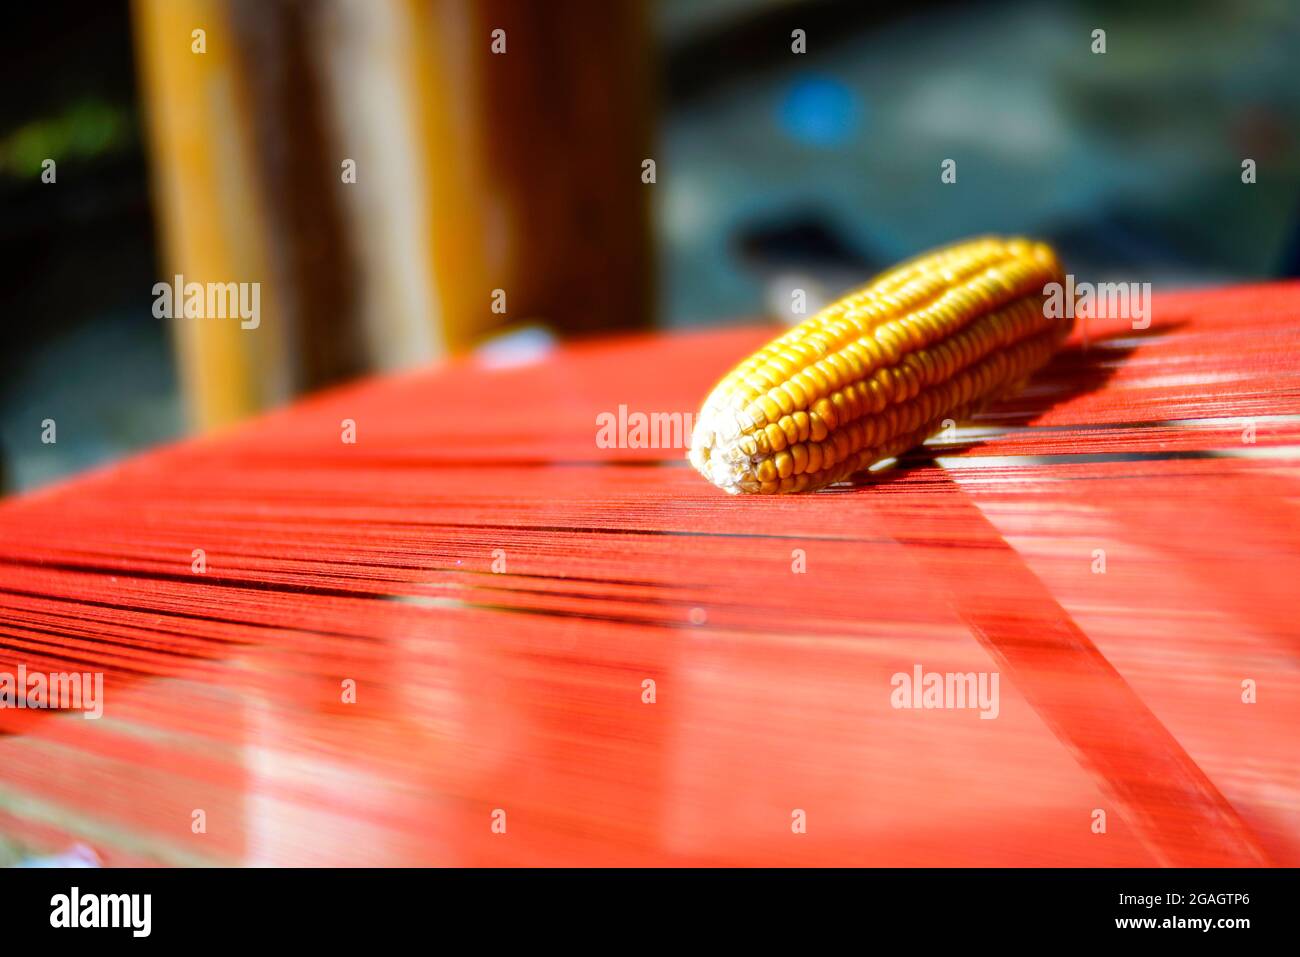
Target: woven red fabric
[(500, 587)]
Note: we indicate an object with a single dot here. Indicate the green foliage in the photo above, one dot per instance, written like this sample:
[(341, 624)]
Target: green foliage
[(86, 130)]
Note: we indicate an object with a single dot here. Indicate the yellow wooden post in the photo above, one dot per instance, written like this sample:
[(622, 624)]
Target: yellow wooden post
[(497, 147), (209, 214)]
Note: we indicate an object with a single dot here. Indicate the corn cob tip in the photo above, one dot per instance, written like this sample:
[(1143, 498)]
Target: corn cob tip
[(709, 452)]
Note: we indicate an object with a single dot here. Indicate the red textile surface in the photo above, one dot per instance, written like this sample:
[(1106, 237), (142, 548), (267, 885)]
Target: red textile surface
[(521, 688)]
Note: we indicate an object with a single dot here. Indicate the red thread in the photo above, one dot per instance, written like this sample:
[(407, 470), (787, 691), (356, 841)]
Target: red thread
[(522, 690)]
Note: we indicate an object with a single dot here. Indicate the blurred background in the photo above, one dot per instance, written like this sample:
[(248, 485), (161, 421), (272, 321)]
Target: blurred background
[(524, 172)]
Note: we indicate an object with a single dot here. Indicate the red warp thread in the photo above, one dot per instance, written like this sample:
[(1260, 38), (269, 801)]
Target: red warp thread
[(498, 588)]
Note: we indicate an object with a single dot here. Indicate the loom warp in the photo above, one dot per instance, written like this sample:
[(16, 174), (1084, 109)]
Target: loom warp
[(499, 588)]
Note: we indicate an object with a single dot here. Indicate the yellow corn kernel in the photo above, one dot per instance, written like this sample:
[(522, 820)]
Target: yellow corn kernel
[(878, 371)]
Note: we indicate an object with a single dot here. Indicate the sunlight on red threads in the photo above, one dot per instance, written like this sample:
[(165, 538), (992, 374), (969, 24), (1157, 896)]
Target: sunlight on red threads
[(499, 587)]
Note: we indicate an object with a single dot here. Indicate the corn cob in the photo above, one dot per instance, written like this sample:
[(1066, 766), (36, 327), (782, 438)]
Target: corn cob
[(878, 371)]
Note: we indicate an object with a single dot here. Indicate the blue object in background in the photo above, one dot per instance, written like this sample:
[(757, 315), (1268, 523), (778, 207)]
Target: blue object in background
[(820, 111)]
